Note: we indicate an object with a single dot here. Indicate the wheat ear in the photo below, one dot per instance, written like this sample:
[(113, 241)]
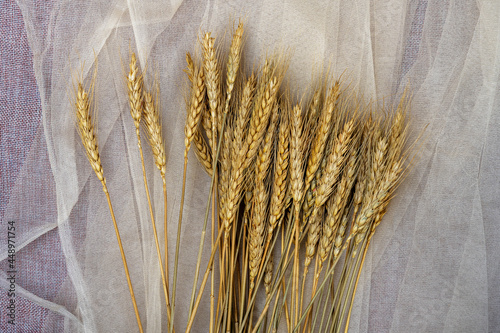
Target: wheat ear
[(266, 95), (233, 62), (135, 84), (89, 139), (280, 177), (203, 148), (212, 74), (322, 134), (335, 207), (367, 212)]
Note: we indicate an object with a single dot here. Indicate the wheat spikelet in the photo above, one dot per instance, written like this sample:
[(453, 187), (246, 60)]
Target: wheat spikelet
[(313, 234), (203, 151), (399, 126), (135, 84), (195, 108), (377, 164), (339, 237), (152, 125), (268, 276)]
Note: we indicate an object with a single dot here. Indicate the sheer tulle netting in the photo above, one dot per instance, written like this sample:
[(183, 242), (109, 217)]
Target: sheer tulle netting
[(433, 264)]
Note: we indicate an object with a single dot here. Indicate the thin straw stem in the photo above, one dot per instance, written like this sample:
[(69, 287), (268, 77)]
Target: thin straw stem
[(356, 284), (122, 253), (177, 244), (165, 227), (157, 243)]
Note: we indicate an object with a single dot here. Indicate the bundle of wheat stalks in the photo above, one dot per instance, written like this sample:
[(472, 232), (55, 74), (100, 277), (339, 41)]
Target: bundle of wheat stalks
[(295, 186)]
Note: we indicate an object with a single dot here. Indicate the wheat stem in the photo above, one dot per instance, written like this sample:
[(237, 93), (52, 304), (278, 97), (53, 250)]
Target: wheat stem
[(122, 253)]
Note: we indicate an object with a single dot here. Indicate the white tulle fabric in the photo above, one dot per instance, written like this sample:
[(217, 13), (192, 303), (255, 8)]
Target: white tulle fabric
[(433, 265)]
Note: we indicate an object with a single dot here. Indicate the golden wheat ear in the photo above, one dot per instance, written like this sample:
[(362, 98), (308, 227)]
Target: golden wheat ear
[(85, 110)]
